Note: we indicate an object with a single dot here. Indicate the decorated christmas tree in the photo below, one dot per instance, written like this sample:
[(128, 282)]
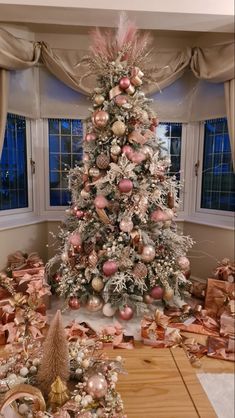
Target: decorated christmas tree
[(120, 249)]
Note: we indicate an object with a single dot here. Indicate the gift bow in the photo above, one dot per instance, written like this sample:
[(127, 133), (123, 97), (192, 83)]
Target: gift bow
[(116, 332), (75, 330), (225, 269), (18, 260), (151, 323)]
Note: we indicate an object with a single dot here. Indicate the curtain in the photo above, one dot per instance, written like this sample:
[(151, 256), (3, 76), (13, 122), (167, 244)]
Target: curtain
[(229, 88), (4, 84)]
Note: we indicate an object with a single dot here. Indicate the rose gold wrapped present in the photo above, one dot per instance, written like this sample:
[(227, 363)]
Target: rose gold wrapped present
[(218, 295)]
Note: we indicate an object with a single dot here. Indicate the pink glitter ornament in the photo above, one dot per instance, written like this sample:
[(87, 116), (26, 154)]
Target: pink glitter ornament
[(156, 292), (124, 83), (125, 185), (100, 202), (126, 313), (110, 267)]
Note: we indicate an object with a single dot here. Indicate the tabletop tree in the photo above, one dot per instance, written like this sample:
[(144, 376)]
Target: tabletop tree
[(120, 249)]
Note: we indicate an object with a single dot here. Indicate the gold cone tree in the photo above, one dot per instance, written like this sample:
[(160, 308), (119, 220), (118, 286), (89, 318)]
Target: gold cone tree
[(120, 248)]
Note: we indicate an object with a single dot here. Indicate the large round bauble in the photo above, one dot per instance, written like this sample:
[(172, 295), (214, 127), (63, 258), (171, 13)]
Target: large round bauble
[(89, 137), (120, 100), (74, 303), (140, 271), (184, 263), (168, 293), (125, 185), (157, 216), (94, 303), (97, 284), (100, 202), (99, 99), (148, 254), (97, 386), (110, 267), (137, 157), (124, 83), (119, 128), (126, 313), (148, 299), (101, 118), (102, 161), (115, 150), (108, 310), (156, 292), (75, 239), (126, 225)]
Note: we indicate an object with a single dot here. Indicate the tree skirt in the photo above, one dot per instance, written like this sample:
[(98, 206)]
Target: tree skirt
[(220, 391)]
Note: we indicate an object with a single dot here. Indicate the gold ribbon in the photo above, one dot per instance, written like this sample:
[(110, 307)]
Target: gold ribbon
[(115, 91), (138, 138), (21, 391)]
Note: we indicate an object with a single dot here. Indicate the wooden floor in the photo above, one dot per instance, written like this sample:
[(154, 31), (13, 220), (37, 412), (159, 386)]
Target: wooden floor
[(161, 383)]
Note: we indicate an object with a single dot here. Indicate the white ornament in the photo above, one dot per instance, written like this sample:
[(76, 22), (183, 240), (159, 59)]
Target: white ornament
[(24, 371), (78, 398), (108, 310), (23, 408)]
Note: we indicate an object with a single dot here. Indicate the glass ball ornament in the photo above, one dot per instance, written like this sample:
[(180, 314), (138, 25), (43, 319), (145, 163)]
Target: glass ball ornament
[(124, 83), (118, 128), (126, 313), (99, 99), (156, 292), (116, 150), (97, 386), (120, 100), (125, 185), (94, 172), (183, 263), (75, 239), (148, 253), (79, 214), (108, 310), (74, 303), (100, 118), (137, 157), (97, 284), (126, 225), (91, 136), (157, 216), (109, 268), (100, 202), (94, 303), (168, 293)]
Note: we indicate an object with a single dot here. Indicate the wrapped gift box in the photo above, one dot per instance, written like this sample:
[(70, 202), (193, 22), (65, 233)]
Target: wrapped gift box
[(218, 295)]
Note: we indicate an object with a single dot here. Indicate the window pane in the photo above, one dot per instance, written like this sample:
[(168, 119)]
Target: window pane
[(172, 144), (13, 165), (218, 178), (65, 150)]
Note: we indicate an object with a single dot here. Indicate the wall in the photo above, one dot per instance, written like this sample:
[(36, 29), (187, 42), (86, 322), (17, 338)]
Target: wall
[(212, 245)]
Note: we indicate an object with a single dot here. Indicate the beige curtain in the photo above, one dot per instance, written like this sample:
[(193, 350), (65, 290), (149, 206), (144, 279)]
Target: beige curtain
[(4, 84), (229, 87)]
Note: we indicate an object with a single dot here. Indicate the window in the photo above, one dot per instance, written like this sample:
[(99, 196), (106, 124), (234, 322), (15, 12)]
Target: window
[(13, 165), (65, 150), (218, 179), (172, 144)]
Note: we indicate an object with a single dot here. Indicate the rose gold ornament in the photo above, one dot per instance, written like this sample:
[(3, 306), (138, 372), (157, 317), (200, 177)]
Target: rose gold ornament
[(148, 254), (124, 83), (120, 100), (92, 259), (170, 200), (119, 128), (74, 303), (126, 313), (89, 137), (86, 157), (125, 185), (148, 299), (75, 239), (137, 157), (128, 151), (97, 386), (168, 293), (140, 271), (94, 303), (100, 118), (99, 99), (126, 225), (156, 292), (103, 161), (79, 214), (115, 150), (100, 201), (157, 216), (97, 284), (94, 172), (110, 267), (183, 263)]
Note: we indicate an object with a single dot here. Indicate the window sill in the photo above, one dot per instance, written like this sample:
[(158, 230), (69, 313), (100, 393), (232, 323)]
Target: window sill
[(11, 221), (210, 221)]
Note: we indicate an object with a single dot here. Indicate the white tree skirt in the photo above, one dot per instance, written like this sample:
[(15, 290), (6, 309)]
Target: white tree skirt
[(220, 391)]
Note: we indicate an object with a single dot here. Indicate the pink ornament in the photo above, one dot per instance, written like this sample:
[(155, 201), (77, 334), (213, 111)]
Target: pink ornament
[(157, 216), (125, 185), (100, 118), (126, 225), (110, 267), (100, 202), (124, 83), (97, 386), (128, 151), (137, 157), (126, 313), (148, 253), (156, 292), (120, 100), (90, 137), (75, 239), (74, 303), (79, 214), (184, 263)]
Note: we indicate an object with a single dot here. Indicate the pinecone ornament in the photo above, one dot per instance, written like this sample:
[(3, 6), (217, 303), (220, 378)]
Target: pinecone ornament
[(140, 271), (102, 161), (88, 247)]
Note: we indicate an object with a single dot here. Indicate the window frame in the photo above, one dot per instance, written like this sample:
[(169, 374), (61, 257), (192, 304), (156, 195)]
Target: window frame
[(19, 212)]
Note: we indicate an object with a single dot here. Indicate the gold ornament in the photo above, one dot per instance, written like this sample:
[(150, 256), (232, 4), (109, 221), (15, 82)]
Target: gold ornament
[(97, 284), (102, 161), (100, 118), (119, 128), (148, 253), (116, 150), (99, 99), (58, 394), (168, 293), (94, 303)]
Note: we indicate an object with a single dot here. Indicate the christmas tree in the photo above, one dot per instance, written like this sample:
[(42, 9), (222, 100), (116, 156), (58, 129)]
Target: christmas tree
[(120, 249)]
